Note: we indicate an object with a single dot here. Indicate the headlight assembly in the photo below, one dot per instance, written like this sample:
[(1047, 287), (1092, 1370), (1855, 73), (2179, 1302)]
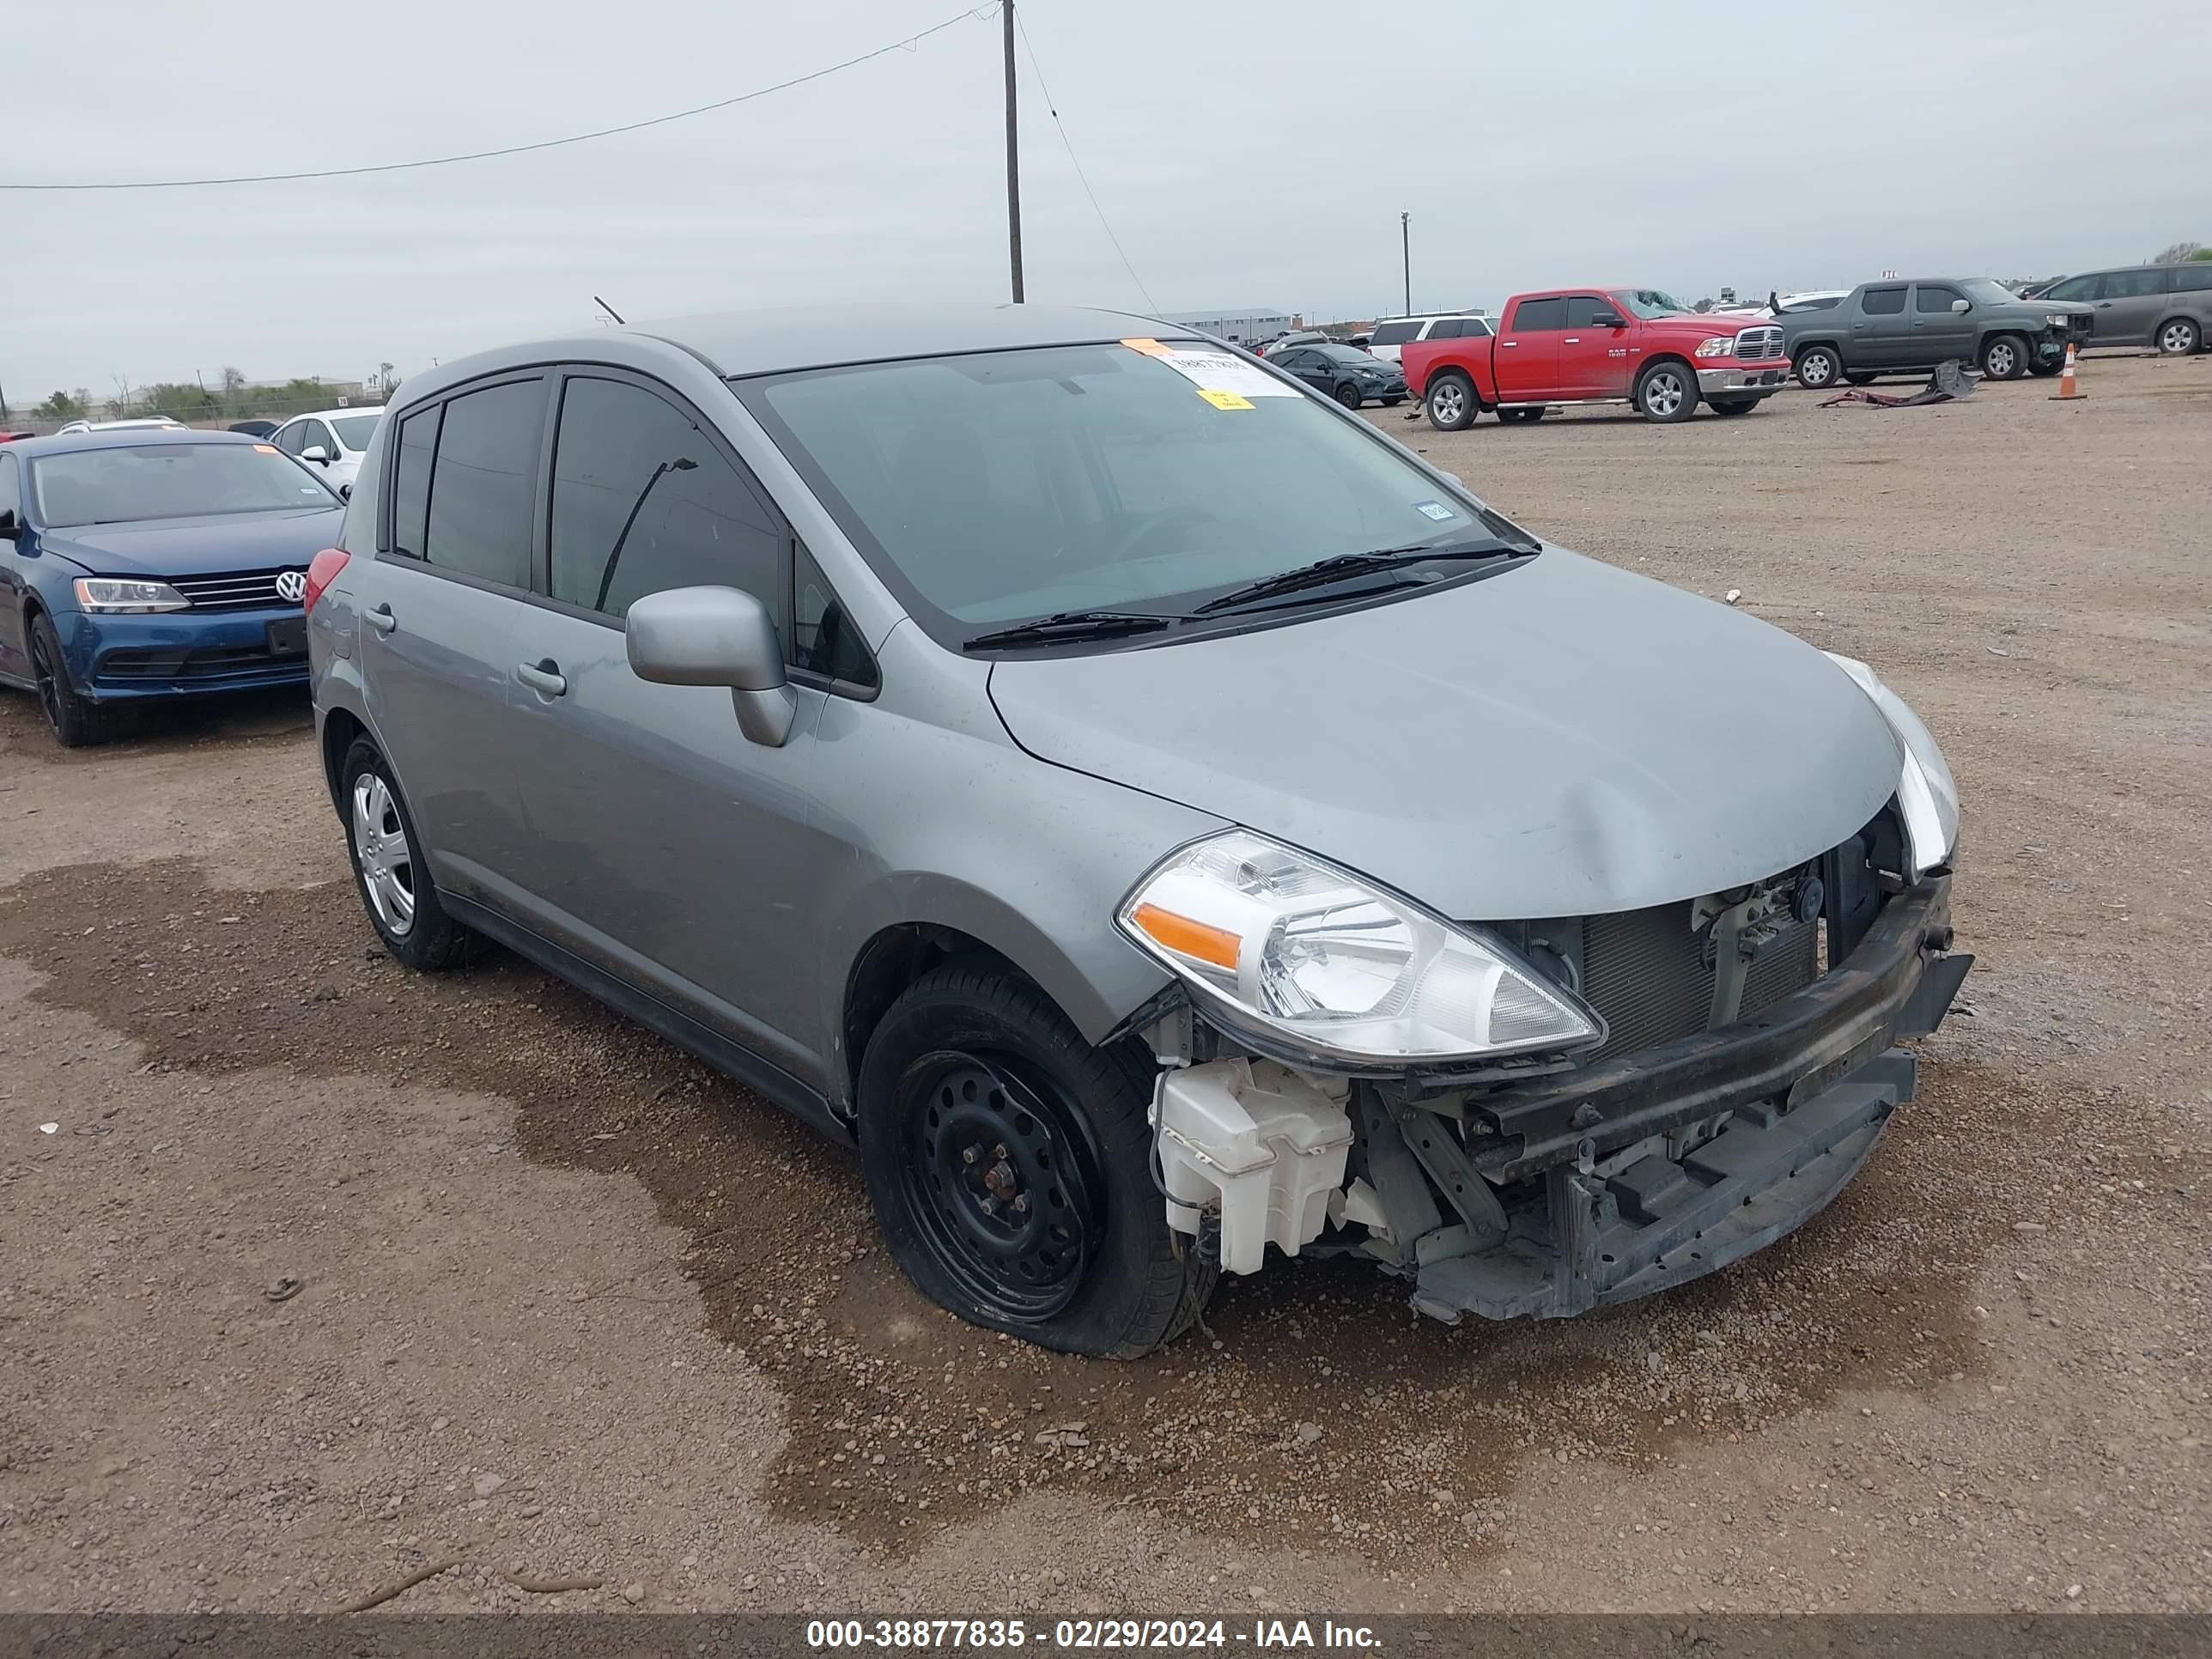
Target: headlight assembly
[(1926, 793), (112, 595), (1310, 962), (1720, 345)]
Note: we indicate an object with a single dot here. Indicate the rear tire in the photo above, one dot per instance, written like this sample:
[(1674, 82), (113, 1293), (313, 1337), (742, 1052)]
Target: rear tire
[(2178, 338), (2005, 357), (77, 722), (393, 879), (1535, 412), (1450, 400), (1666, 392), (1010, 1165), (1818, 367)]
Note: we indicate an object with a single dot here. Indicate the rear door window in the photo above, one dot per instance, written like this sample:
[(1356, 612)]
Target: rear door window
[(1539, 316), (2133, 284), (1396, 333), (644, 501), (484, 487), (1445, 328), (11, 490), (1883, 301)]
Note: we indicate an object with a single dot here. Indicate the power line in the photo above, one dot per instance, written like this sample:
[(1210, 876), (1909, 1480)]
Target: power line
[(909, 42), (1150, 304)]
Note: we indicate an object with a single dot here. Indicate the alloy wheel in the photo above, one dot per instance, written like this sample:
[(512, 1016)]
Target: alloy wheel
[(380, 849), (1663, 392), (50, 692), (1448, 402), (2176, 337)]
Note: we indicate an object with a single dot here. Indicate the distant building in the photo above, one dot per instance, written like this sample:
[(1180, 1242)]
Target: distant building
[(1238, 327)]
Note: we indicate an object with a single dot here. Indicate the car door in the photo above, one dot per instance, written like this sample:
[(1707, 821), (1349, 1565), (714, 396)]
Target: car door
[(667, 847), (1944, 326), (2130, 304), (1593, 349), (14, 645), (1308, 365), (1526, 360), (437, 642), (1881, 335)]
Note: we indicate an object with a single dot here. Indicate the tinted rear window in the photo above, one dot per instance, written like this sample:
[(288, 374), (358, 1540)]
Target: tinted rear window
[(483, 491), (1883, 301)]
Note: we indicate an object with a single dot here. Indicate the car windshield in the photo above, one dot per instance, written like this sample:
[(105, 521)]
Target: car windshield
[(354, 430), (1651, 302), (1351, 355), (123, 484), (1002, 487), (1988, 291)]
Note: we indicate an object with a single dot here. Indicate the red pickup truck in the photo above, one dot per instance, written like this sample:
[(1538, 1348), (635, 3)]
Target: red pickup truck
[(1598, 345)]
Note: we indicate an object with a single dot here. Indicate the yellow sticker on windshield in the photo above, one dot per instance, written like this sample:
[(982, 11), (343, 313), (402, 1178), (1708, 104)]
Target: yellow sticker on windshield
[(1223, 399)]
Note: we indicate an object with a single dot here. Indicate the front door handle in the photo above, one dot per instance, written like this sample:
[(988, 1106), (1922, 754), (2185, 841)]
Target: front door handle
[(381, 619), (1572, 339), (543, 677)]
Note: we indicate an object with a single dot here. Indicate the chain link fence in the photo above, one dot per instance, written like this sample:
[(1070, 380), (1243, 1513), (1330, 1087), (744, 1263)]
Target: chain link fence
[(213, 414)]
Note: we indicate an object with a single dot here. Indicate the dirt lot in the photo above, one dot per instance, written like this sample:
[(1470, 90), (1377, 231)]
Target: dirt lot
[(571, 1308)]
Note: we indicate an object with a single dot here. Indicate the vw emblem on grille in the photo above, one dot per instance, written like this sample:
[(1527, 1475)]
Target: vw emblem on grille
[(292, 586)]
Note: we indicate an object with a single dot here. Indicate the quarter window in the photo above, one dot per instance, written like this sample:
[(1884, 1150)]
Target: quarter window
[(11, 490), (1539, 316), (643, 502), (410, 485), (1882, 302), (2194, 276), (484, 489), (823, 638), (1396, 333), (1447, 329), (1932, 297)]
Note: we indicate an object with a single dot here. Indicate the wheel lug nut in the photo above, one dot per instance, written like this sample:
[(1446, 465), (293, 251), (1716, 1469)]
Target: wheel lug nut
[(999, 1151), (1021, 1203), (966, 1154)]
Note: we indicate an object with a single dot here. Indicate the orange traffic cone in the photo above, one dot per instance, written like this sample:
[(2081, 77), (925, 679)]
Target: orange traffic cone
[(2067, 389)]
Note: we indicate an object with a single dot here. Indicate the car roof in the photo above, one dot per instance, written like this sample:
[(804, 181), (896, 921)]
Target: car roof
[(135, 438)]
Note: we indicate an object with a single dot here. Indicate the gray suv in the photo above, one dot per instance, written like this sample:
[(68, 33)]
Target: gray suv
[(1892, 327), (2169, 306), (1150, 814)]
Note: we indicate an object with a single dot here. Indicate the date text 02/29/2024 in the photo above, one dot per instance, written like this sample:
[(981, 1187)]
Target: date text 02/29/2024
[(1089, 1635)]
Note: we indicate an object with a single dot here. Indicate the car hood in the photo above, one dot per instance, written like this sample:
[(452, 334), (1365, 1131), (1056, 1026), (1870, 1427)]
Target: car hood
[(160, 548), (1562, 740)]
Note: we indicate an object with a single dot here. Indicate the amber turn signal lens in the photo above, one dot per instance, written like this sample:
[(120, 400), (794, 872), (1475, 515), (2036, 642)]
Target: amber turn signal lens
[(1186, 937)]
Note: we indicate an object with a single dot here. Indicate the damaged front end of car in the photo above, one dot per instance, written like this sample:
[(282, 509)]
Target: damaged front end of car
[(1637, 1098)]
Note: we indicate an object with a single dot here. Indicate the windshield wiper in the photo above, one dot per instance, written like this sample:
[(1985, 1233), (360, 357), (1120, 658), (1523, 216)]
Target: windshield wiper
[(1344, 566), (1072, 625)]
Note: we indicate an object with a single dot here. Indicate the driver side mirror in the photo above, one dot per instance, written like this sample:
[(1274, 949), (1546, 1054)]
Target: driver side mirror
[(1608, 320), (316, 453), (1959, 306), (715, 636)]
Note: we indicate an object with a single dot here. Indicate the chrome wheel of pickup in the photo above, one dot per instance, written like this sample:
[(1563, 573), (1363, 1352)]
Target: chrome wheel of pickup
[(1451, 403)]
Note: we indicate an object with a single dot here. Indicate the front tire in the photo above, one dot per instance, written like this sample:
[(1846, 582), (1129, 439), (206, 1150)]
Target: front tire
[(1010, 1165), (1450, 400), (2179, 337), (1666, 392), (77, 722), (1733, 405), (389, 870), (1818, 367), (2005, 357), (1532, 413), (1350, 396)]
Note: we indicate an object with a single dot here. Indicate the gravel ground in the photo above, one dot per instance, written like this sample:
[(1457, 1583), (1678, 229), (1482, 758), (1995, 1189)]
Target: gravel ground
[(329, 1273)]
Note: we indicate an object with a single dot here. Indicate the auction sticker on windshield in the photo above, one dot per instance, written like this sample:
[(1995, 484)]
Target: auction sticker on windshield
[(1224, 381)]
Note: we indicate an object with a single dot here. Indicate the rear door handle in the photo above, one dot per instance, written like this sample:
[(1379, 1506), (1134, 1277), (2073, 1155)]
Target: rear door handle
[(543, 677), (381, 619)]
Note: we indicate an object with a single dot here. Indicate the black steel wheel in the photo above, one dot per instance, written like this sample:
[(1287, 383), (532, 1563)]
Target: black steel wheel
[(1003, 1180), (1010, 1165), (1349, 394)]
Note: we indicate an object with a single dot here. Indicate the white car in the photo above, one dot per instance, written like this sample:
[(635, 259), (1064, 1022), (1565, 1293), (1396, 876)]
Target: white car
[(1391, 333), (332, 440), (145, 424)]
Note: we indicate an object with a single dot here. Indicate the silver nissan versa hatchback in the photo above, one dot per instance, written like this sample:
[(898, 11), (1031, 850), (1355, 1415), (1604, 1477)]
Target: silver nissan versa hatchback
[(1151, 814)]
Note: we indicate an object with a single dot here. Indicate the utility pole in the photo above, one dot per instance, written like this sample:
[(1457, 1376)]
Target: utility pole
[(1406, 252), (1013, 158)]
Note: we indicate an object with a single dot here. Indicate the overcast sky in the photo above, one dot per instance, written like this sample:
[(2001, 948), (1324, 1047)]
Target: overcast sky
[(1247, 152)]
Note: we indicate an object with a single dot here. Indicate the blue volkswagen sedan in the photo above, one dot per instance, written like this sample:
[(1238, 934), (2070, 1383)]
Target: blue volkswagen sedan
[(153, 564)]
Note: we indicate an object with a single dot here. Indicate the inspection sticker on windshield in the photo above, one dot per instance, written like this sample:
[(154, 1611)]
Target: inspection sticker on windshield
[(1224, 381), (1435, 510)]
